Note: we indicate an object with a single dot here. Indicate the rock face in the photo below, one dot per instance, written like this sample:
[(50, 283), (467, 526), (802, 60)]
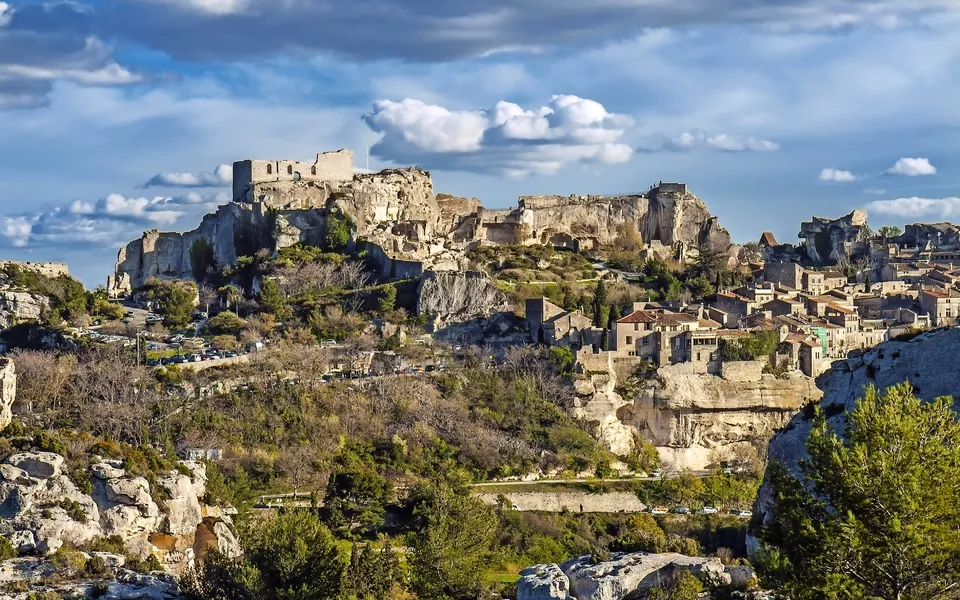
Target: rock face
[(928, 362), (41, 508), (693, 418), (406, 226), (450, 297), (125, 584), (19, 306), (826, 241), (8, 390), (623, 577), (936, 236)]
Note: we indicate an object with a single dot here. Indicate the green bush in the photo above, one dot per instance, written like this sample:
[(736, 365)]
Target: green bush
[(7, 550)]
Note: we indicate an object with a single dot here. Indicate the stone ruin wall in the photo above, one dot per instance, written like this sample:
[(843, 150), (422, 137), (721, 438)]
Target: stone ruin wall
[(8, 391), (47, 269), (329, 166)]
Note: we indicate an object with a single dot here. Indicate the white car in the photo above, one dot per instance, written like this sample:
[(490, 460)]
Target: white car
[(658, 510), (707, 510), (743, 514)]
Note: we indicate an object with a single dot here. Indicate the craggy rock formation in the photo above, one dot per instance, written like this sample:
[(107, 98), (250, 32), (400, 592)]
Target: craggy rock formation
[(450, 297), (125, 584), (406, 226), (936, 236), (828, 240), (624, 576), (8, 390), (16, 307), (928, 362), (693, 418), (41, 508)]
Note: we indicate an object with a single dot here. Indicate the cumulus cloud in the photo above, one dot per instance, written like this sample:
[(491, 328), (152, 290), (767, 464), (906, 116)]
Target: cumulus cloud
[(220, 177), (912, 167), (837, 175), (914, 207), (506, 138), (112, 220)]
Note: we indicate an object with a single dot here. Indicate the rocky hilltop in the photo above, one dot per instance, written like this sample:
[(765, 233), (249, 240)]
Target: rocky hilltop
[(928, 362), (407, 227), (693, 419)]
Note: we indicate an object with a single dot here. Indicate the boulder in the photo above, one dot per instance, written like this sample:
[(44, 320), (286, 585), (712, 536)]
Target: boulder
[(227, 543), (183, 507), (632, 575), (106, 471), (40, 465), (133, 491), (8, 391), (543, 582), (113, 561), (12, 474), (23, 541)]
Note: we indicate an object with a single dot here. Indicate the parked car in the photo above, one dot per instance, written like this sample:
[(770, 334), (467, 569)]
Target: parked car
[(707, 510), (658, 510), (682, 510), (743, 514)]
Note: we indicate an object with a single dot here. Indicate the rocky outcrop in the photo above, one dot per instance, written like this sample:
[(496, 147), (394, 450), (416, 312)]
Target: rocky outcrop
[(409, 229), (41, 508), (451, 297), (624, 576), (928, 362), (116, 583), (18, 306), (932, 236), (8, 390), (828, 240), (692, 418)]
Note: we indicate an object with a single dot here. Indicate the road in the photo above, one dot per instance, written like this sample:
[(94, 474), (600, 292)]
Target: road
[(578, 481)]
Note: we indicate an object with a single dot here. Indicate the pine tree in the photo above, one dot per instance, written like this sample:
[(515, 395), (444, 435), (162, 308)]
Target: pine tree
[(599, 303)]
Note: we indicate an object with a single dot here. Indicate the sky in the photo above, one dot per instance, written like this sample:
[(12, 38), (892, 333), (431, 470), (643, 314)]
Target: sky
[(118, 116)]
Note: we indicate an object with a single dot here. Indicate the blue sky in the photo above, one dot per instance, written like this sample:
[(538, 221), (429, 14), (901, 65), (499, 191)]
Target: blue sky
[(116, 115)]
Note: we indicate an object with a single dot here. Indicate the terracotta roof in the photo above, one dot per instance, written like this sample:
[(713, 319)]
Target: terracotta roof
[(940, 294), (768, 239), (795, 338), (733, 333), (838, 308), (811, 344), (834, 274), (640, 316), (709, 323), (675, 318)]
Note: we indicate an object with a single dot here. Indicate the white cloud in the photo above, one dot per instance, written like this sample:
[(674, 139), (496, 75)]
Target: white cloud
[(220, 177), (912, 167), (506, 139), (914, 207), (6, 14), (698, 139), (837, 175), (111, 221)]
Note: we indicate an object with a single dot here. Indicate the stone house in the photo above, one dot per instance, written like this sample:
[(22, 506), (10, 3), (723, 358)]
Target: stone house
[(784, 306), (664, 337), (552, 325), (811, 361), (941, 304), (735, 305)]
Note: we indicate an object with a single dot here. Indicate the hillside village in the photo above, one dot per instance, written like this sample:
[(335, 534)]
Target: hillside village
[(623, 344)]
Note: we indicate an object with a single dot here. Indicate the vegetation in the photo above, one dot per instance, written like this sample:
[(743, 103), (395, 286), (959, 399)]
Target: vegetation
[(757, 345), (174, 300), (874, 513)]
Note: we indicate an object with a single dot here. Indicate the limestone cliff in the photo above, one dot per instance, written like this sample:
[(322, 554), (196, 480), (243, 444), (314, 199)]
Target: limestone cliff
[(826, 241), (408, 229), (8, 391), (458, 296), (928, 362), (693, 418)]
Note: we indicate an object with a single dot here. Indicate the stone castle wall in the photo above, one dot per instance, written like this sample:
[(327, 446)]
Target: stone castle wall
[(48, 269), (329, 166)]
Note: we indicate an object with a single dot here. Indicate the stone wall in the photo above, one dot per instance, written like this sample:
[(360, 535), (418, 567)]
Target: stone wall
[(48, 269), (744, 371), (329, 166), (610, 502)]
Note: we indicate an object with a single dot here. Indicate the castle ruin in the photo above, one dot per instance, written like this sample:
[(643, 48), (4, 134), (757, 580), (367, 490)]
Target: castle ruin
[(329, 166)]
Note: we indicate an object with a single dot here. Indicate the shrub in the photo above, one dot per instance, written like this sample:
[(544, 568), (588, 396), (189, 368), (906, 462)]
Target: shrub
[(7, 550)]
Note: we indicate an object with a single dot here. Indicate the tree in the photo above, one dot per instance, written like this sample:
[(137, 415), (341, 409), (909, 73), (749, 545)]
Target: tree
[(226, 323), (175, 301), (453, 546), (599, 303), (202, 260), (614, 316), (336, 232), (641, 534), (356, 492), (207, 295), (271, 297), (388, 298), (866, 283), (372, 574), (292, 556), (889, 231), (874, 513)]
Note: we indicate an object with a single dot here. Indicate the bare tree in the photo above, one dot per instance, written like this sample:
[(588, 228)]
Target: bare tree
[(208, 295), (42, 379)]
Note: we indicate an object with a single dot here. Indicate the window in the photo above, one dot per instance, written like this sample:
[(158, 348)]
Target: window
[(313, 170), (289, 169), (646, 341), (698, 357), (269, 169), (629, 340), (636, 326)]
